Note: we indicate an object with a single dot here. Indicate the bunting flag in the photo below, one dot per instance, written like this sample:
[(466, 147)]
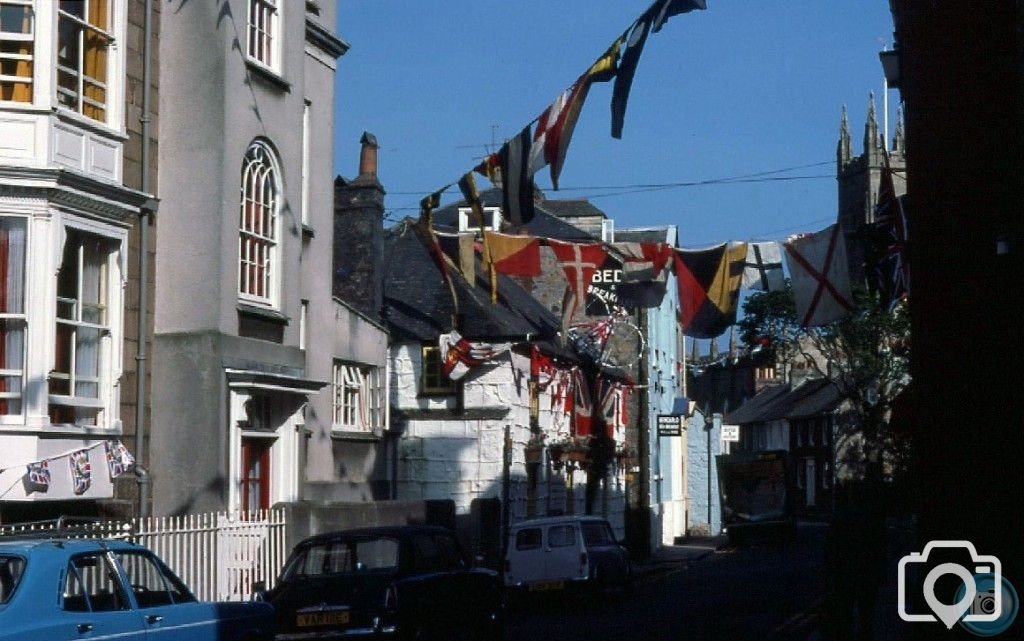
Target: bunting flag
[(460, 248), (513, 255), (516, 179), (644, 262), (81, 471), (467, 185), (542, 369), (763, 269), (709, 284), (887, 267), (635, 42), (582, 405), (38, 477), (556, 125), (460, 354), (668, 8), (610, 400), (820, 275), (490, 167), (579, 262), (119, 459)]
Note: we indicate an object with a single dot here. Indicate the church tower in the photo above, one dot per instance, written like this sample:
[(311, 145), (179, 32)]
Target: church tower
[(859, 177)]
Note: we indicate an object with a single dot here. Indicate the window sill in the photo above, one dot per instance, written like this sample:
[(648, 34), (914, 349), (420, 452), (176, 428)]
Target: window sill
[(268, 75), (355, 436), (262, 312), (85, 122)]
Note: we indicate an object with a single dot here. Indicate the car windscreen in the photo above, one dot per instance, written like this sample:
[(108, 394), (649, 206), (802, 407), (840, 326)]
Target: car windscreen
[(597, 533), (11, 570), (341, 556)]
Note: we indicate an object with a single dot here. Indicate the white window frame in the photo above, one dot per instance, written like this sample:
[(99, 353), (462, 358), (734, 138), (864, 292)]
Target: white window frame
[(259, 236), (467, 221), (305, 161), (17, 36), (92, 411), (21, 318), (112, 65), (263, 33), (357, 399)]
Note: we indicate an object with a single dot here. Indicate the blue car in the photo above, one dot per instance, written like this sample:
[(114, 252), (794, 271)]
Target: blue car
[(61, 589)]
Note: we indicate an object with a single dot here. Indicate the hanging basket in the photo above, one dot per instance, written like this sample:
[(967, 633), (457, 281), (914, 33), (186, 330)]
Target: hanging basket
[(555, 453)]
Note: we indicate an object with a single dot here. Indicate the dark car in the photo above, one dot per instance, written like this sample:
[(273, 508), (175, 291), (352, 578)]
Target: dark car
[(406, 582), (57, 588)]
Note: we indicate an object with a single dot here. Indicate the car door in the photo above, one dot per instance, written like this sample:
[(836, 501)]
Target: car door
[(94, 604), (168, 609), (562, 551)]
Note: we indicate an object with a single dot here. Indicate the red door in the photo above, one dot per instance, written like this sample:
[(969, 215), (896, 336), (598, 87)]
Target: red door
[(255, 485)]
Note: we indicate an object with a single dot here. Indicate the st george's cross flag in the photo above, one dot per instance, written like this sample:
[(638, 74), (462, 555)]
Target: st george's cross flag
[(709, 288), (460, 354), (763, 268), (579, 261), (821, 278)]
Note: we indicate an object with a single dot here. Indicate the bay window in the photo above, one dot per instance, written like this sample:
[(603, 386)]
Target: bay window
[(82, 329), (83, 40), (16, 49), (12, 313), (358, 397)]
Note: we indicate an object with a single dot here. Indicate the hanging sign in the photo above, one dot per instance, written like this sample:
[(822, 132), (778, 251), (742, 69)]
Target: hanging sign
[(670, 425), (731, 433)]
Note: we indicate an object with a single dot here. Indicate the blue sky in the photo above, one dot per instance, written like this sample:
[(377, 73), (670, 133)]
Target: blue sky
[(744, 88)]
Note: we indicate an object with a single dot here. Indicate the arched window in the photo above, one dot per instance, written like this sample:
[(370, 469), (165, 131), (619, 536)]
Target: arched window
[(258, 226)]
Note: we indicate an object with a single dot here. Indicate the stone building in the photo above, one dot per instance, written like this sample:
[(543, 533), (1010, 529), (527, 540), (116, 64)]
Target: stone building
[(267, 388), (74, 187)]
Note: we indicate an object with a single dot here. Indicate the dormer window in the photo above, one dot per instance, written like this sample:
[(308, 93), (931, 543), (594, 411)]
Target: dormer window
[(468, 222), (264, 18), (83, 43), (16, 49)]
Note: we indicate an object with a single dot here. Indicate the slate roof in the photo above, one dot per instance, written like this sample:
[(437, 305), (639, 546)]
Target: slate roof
[(571, 208), (418, 305), (545, 223), (646, 235), (776, 402)]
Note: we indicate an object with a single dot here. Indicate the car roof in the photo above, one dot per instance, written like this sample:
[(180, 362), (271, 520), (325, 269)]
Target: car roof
[(27, 545), (387, 531), (554, 520)]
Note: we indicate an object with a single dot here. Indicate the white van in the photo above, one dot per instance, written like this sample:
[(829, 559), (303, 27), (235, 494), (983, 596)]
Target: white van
[(558, 552)]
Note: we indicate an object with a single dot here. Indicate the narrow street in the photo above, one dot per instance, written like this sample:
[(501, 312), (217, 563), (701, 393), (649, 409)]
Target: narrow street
[(756, 592)]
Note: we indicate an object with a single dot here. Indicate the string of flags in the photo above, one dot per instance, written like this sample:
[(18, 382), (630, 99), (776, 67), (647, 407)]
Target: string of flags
[(37, 476)]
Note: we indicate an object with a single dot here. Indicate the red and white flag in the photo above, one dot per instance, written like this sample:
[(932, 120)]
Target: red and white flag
[(583, 405), (579, 262), (820, 276), (460, 354), (645, 262), (555, 127)]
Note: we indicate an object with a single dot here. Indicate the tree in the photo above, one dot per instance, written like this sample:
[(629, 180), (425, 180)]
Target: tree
[(865, 355)]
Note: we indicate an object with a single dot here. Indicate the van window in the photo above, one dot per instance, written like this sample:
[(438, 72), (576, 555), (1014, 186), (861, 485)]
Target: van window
[(11, 569), (560, 536), (597, 533), (528, 539)]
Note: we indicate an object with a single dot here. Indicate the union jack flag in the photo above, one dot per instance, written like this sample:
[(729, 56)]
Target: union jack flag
[(119, 459), (38, 479), (888, 269), (81, 471)]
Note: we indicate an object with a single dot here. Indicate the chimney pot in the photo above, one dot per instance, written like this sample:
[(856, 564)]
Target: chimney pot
[(368, 155)]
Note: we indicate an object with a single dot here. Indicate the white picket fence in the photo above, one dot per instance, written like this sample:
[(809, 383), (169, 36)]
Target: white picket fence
[(219, 555)]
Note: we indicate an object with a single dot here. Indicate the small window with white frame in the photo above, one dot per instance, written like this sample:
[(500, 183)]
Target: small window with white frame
[(264, 33), (432, 377), (17, 44), (13, 232), (468, 222), (259, 225), (84, 43), (82, 329), (358, 397)]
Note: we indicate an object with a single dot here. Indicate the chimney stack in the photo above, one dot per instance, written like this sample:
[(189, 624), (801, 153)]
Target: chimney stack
[(368, 155)]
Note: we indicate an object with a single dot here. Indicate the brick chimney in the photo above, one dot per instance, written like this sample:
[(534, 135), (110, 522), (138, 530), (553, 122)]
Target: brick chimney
[(358, 234)]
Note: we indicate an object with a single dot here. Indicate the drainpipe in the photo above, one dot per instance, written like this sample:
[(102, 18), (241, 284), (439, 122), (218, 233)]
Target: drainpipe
[(145, 213)]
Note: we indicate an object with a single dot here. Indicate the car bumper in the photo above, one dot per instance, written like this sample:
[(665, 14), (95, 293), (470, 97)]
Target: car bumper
[(381, 632)]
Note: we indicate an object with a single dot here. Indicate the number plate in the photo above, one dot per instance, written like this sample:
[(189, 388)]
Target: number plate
[(546, 585), (321, 618)]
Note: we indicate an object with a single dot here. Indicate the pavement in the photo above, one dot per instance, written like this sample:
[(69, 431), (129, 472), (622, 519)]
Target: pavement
[(672, 558)]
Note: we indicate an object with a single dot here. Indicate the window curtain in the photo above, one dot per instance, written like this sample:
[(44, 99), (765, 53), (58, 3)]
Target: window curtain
[(12, 297), (95, 63), (87, 345)]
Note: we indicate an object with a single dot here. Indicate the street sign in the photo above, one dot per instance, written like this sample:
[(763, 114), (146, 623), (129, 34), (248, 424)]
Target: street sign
[(731, 433), (670, 425)]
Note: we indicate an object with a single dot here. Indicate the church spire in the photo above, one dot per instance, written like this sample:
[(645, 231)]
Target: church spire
[(843, 148), (871, 129), (898, 139)]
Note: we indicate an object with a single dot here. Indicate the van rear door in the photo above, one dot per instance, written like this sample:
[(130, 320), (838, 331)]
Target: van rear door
[(564, 552)]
